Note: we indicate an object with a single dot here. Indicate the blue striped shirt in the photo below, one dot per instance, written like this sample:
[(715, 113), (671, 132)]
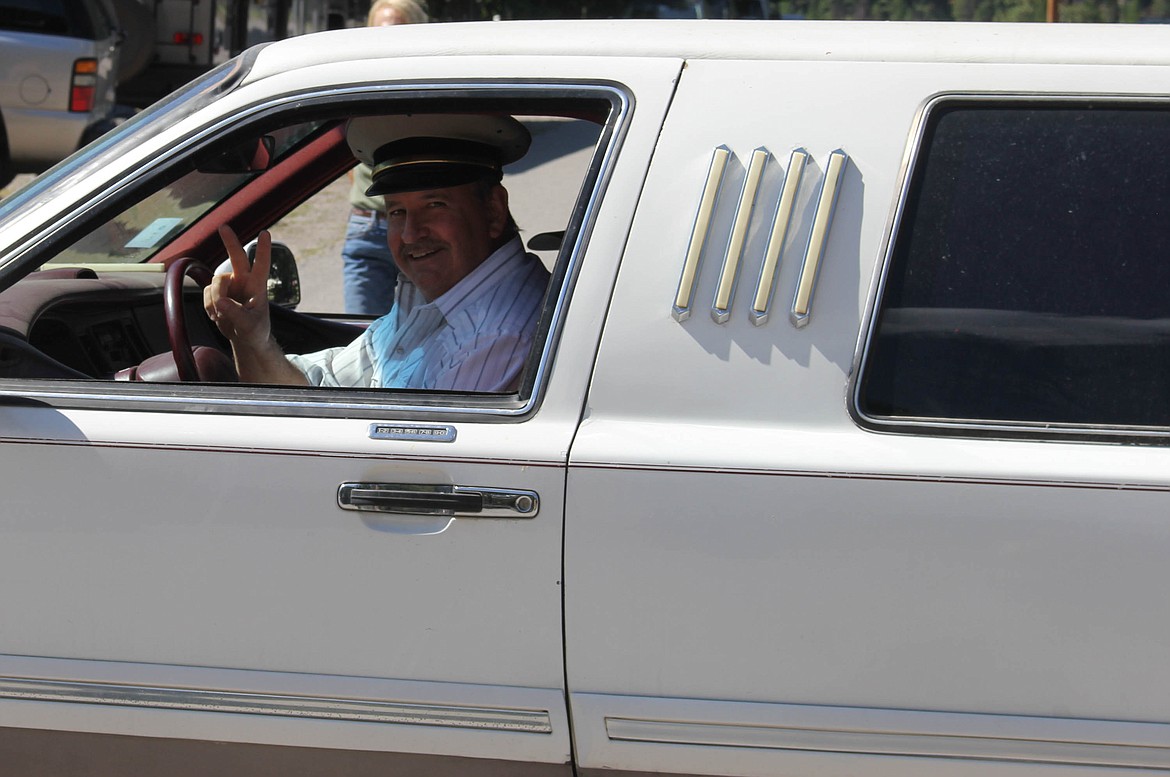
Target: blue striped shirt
[(476, 337)]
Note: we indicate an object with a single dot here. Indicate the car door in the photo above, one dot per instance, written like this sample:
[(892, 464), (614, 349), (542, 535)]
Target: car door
[(215, 576)]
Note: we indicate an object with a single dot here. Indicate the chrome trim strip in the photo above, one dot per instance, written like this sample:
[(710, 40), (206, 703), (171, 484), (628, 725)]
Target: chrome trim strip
[(420, 432), (243, 703), (979, 747), (249, 404), (818, 237), (721, 307), (781, 219), (702, 224), (892, 477)]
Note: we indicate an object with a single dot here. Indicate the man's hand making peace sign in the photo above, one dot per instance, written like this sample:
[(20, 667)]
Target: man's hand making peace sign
[(238, 304)]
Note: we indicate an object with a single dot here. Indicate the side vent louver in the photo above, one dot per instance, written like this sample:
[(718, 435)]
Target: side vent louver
[(815, 251), (686, 284), (781, 219), (721, 307), (780, 228)]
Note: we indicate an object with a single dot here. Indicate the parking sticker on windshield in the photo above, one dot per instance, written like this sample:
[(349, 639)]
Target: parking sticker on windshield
[(155, 233)]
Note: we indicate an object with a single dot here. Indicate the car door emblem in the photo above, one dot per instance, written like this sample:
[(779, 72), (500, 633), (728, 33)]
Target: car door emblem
[(442, 433)]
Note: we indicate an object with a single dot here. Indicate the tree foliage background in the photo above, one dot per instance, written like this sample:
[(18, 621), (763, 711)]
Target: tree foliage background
[(898, 10)]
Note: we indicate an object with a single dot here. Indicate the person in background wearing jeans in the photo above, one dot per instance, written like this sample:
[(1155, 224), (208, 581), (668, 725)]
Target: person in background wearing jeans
[(368, 271)]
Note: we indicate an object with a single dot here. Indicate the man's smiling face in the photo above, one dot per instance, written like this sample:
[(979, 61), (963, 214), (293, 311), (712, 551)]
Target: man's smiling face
[(438, 236)]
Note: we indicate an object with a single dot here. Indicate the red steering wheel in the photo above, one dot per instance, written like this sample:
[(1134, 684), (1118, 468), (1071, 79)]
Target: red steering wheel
[(176, 317)]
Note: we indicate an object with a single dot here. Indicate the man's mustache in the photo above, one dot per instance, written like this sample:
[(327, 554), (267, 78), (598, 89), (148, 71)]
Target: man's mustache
[(421, 249)]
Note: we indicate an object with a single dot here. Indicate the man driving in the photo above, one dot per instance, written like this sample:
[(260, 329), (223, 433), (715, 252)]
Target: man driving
[(469, 296)]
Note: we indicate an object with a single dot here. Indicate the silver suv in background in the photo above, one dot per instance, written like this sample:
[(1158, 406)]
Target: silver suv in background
[(58, 71)]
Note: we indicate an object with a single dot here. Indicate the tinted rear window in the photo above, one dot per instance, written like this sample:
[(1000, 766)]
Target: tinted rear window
[(1030, 279)]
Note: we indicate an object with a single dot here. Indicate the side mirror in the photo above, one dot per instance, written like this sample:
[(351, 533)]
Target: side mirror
[(284, 282)]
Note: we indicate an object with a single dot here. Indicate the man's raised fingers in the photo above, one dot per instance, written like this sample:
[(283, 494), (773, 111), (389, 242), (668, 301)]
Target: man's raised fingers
[(236, 252), (258, 282)]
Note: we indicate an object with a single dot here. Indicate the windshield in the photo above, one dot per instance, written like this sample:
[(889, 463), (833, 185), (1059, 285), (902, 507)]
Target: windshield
[(138, 232)]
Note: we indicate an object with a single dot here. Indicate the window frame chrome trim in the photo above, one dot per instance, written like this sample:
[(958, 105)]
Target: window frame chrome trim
[(505, 408), (1011, 430)]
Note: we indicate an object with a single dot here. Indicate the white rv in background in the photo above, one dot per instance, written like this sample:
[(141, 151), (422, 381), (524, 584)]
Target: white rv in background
[(170, 42)]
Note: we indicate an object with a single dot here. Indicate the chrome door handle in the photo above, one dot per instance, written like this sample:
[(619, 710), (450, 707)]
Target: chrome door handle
[(440, 500)]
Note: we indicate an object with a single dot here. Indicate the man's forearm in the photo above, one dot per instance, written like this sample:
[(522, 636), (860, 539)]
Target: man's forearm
[(266, 363)]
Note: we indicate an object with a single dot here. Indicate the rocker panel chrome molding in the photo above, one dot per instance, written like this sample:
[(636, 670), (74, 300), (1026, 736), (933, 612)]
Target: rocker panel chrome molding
[(232, 702), (1031, 747)]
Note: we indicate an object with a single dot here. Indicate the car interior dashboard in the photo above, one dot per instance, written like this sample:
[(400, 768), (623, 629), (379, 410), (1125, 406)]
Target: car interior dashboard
[(81, 324)]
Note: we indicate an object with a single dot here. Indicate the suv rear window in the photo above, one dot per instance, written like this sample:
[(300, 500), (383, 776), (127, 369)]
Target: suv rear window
[(70, 18), (1029, 283)]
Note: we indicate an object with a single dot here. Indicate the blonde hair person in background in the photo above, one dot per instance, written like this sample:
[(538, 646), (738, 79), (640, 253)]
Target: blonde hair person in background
[(368, 271), (386, 12)]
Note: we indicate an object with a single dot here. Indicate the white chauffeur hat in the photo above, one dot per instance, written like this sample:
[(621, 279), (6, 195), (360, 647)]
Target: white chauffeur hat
[(413, 151)]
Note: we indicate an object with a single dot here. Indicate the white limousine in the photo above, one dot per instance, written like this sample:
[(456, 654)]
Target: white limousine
[(841, 445)]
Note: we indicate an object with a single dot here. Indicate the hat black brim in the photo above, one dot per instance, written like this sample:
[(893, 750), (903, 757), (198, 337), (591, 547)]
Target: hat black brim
[(419, 177)]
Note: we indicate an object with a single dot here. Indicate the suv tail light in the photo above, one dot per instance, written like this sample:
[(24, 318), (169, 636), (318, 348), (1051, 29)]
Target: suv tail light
[(83, 86)]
